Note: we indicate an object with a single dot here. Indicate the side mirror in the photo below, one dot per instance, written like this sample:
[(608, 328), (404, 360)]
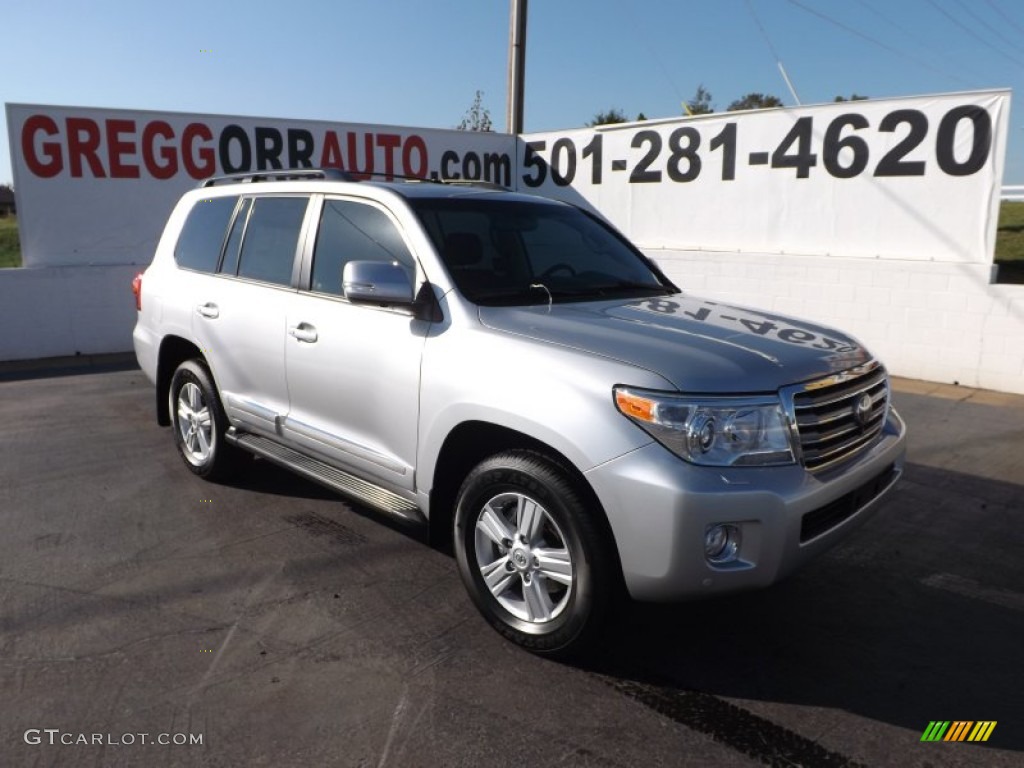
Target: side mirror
[(379, 282)]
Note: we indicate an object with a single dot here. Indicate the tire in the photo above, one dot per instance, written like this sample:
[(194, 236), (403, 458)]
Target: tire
[(199, 422), (532, 555)]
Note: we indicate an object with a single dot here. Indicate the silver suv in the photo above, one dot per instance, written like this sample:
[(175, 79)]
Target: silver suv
[(512, 371)]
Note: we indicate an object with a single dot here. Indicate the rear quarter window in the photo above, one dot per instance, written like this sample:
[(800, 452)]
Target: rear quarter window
[(202, 236)]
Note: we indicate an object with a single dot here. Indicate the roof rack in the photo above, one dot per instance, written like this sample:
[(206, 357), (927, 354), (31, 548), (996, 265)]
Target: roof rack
[(336, 174), (474, 183), (329, 174), (429, 180)]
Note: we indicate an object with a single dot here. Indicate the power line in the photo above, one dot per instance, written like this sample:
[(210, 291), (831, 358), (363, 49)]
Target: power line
[(972, 33), (878, 43), (903, 30), (1006, 18), (908, 34), (657, 59), (775, 53), (985, 24), (764, 34)]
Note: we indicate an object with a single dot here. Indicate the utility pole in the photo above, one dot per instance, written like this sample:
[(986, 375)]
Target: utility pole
[(516, 67)]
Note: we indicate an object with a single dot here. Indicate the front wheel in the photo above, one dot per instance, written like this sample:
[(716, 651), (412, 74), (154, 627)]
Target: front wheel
[(532, 554)]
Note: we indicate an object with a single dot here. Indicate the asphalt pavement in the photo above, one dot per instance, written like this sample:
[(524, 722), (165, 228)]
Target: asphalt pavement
[(277, 625)]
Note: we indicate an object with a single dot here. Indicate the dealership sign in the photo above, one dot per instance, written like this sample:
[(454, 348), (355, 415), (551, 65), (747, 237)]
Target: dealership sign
[(911, 178), (95, 186)]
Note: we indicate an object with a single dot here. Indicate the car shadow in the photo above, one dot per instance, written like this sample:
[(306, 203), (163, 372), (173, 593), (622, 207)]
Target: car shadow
[(919, 616), (262, 476)]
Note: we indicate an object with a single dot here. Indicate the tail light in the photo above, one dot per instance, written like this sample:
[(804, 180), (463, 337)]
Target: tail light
[(137, 290)]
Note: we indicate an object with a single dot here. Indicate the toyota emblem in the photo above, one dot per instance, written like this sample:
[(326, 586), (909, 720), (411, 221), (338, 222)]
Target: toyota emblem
[(862, 410)]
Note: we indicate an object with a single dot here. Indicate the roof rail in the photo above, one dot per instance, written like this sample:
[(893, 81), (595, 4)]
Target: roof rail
[(329, 174), (433, 180), (474, 183)]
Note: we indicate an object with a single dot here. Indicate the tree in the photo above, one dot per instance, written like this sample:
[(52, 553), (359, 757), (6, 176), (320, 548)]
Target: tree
[(700, 104), (608, 117), (853, 97), (7, 199), (477, 117), (640, 117), (754, 101)]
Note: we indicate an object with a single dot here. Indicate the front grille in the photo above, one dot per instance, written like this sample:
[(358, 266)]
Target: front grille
[(828, 517), (833, 417)]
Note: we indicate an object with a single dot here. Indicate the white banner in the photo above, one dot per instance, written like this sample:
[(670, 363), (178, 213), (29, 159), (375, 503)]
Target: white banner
[(911, 178), (95, 186)]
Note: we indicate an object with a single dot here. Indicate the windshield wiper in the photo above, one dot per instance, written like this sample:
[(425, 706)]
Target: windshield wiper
[(622, 286), (628, 285), (517, 296), (539, 293)]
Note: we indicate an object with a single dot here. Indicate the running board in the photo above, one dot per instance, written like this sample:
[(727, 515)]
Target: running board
[(335, 479)]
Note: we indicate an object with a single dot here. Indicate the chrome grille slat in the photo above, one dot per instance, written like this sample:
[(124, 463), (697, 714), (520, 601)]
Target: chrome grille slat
[(832, 434), (816, 435), (825, 419), (843, 411), (867, 386), (821, 457)]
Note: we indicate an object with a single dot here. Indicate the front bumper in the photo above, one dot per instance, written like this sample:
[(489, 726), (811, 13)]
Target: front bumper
[(659, 508)]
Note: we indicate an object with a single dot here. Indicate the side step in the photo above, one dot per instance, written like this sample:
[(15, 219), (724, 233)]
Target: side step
[(335, 479)]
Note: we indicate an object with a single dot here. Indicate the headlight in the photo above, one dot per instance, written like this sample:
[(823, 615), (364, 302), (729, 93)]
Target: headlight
[(715, 431)]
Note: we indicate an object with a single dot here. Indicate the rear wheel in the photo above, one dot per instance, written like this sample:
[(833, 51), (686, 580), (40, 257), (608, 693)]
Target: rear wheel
[(531, 553), (199, 422)]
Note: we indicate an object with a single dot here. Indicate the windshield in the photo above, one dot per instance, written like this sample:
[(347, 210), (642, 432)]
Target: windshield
[(507, 252)]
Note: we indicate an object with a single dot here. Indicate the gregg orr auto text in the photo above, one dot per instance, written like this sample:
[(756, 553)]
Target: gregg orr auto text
[(131, 149)]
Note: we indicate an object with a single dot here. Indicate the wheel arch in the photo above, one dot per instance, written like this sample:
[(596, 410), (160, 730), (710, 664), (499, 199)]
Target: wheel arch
[(469, 443), (174, 350)]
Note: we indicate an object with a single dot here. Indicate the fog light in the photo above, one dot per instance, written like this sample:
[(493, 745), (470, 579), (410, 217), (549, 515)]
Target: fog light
[(721, 543)]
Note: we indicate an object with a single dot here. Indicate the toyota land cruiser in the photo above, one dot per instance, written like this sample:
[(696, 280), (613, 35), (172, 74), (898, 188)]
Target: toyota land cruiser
[(513, 372)]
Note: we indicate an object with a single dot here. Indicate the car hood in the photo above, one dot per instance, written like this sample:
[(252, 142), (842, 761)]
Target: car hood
[(697, 345)]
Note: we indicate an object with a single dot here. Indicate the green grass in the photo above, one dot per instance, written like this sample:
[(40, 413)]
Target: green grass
[(1010, 234), (10, 247)]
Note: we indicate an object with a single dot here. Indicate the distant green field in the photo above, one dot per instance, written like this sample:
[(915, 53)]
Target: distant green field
[(1009, 237), (10, 248)]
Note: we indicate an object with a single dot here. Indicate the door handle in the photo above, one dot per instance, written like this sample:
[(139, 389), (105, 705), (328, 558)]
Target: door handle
[(209, 309), (303, 332)]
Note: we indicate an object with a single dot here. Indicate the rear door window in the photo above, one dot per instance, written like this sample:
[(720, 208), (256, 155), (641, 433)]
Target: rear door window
[(271, 238)]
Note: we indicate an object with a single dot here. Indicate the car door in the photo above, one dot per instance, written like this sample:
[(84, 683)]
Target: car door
[(353, 369), (239, 320)]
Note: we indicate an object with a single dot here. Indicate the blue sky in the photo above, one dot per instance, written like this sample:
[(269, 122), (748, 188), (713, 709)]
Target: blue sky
[(420, 63)]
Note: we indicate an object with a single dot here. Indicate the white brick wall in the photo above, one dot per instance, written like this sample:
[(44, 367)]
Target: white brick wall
[(926, 320), (58, 311)]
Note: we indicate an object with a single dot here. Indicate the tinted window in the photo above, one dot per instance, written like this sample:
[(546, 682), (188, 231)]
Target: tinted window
[(268, 251), (352, 231), (508, 252), (230, 264), (199, 244)]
